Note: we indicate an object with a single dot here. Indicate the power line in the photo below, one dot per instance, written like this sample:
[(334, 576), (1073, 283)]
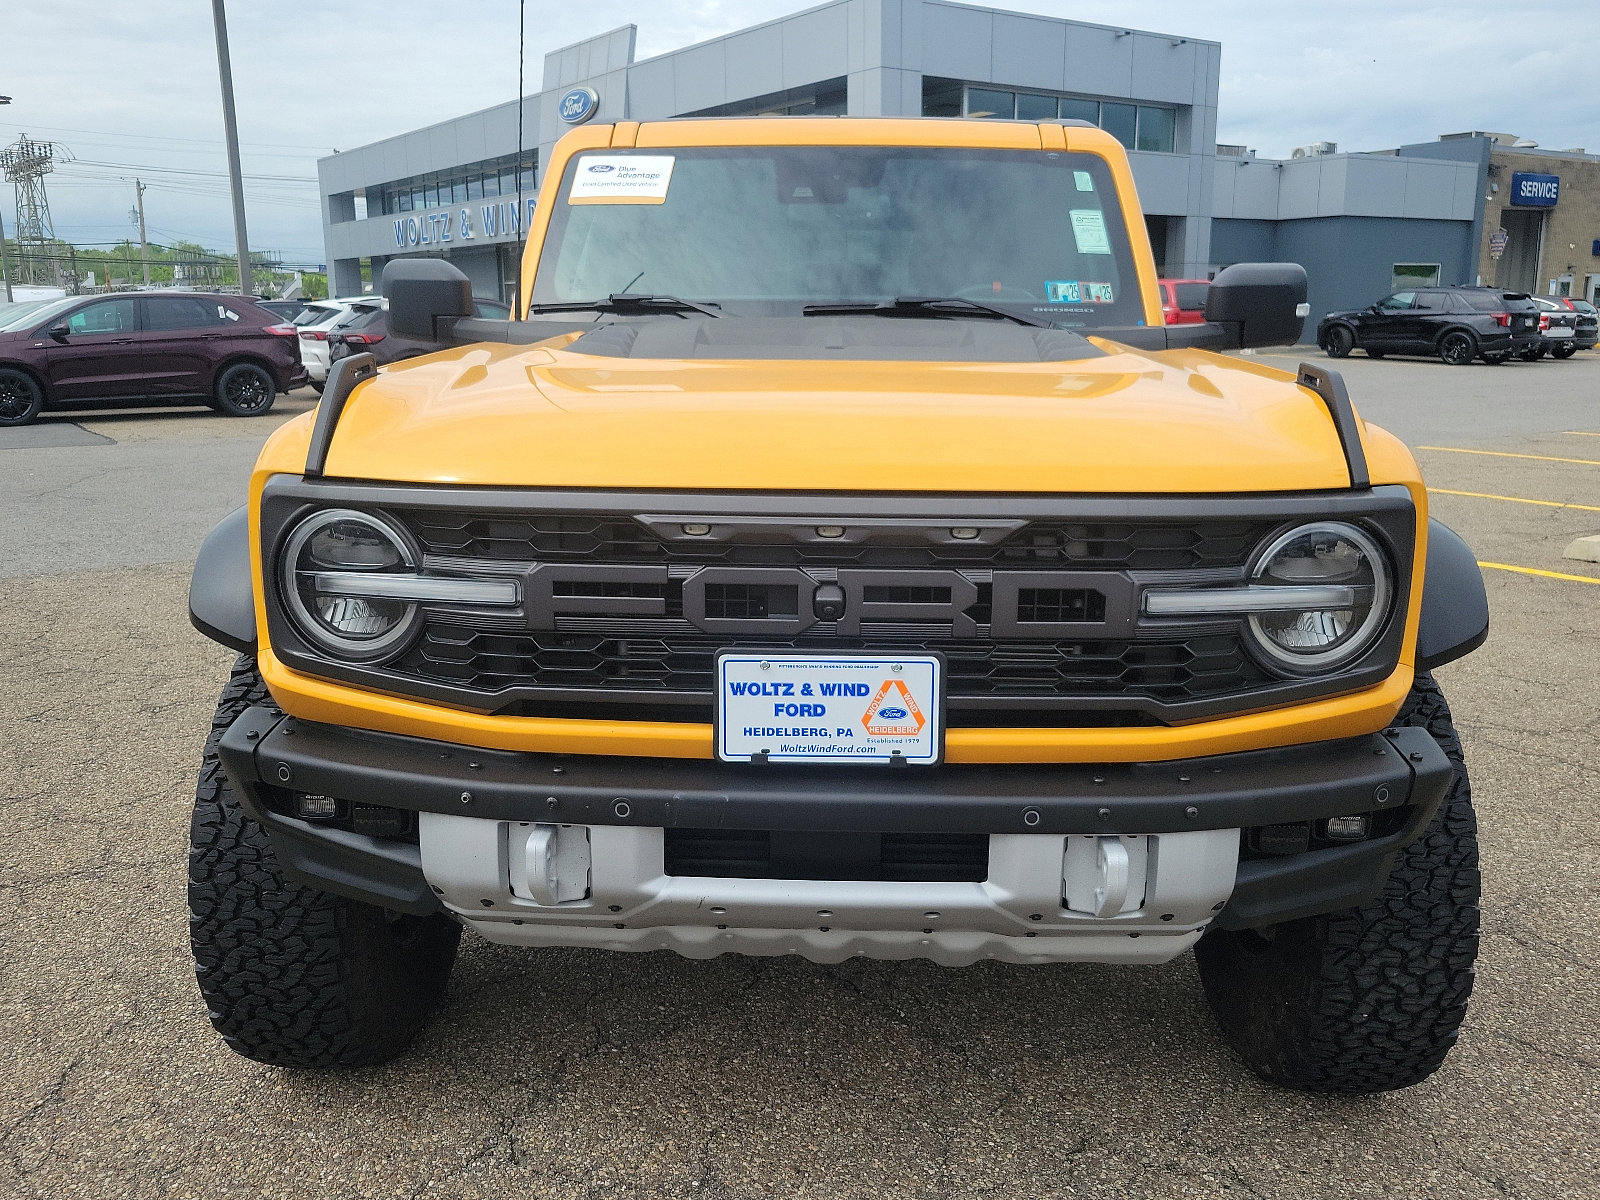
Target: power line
[(154, 137)]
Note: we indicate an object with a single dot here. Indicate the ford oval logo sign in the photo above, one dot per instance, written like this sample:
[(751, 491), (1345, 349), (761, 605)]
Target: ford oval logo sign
[(889, 713), (578, 105), (601, 168)]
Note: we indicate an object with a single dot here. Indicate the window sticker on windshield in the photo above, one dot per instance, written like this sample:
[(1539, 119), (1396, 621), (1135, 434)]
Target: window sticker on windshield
[(1098, 293), (1089, 231), (1063, 291), (621, 179), (1083, 180)]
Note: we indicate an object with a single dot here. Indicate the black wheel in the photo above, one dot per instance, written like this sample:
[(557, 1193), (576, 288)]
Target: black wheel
[(1457, 348), (1338, 341), (21, 397), (1563, 352), (317, 385), (1494, 360), (1367, 999), (1532, 355), (291, 975), (245, 390), (1376, 353)]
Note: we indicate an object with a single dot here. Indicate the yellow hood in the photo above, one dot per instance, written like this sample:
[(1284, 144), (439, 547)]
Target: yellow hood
[(1126, 422)]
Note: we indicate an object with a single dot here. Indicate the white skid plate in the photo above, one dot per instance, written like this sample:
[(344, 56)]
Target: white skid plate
[(852, 708)]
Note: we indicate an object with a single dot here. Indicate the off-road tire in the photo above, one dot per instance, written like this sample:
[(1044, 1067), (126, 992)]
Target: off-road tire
[(1366, 999), (21, 397), (1563, 352), (1338, 342), (1533, 355), (245, 389), (1376, 353), (291, 975)]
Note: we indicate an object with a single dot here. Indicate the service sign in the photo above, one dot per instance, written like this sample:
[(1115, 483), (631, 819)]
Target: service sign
[(852, 708), (1531, 190)]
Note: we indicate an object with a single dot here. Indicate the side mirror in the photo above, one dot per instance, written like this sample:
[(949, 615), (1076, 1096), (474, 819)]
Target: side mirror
[(59, 332), (1258, 304), (425, 293)]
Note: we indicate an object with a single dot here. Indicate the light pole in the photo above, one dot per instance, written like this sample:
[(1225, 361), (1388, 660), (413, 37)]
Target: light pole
[(5, 271), (230, 128)]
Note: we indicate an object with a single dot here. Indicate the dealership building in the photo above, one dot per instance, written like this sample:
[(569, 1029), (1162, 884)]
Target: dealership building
[(1453, 211)]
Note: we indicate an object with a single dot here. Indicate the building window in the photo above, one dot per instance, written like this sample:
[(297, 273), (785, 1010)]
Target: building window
[(941, 97), (826, 99), (985, 102), (1136, 126), (1075, 108), (1120, 121), (1157, 129), (473, 181), (1033, 107), (1414, 275)]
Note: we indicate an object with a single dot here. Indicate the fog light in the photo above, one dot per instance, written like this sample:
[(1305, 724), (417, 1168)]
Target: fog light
[(315, 807), (964, 533), (1347, 829), (697, 530), (830, 531)]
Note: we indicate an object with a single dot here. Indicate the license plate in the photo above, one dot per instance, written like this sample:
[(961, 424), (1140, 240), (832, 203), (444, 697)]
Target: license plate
[(1558, 332), (849, 708)]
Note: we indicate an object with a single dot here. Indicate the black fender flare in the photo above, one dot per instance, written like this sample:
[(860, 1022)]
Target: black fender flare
[(222, 602), (1455, 605)]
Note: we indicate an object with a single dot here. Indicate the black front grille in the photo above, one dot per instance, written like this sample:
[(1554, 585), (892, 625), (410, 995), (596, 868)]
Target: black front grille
[(608, 538), (891, 857), (676, 669)]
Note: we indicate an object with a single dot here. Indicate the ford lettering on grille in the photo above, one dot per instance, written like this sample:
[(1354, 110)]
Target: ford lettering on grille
[(779, 601)]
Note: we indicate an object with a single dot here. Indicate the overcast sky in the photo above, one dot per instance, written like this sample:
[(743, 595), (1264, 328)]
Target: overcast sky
[(130, 89)]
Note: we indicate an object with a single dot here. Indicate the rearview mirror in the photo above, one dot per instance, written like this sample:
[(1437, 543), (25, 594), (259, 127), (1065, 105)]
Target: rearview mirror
[(1259, 304), (425, 296)]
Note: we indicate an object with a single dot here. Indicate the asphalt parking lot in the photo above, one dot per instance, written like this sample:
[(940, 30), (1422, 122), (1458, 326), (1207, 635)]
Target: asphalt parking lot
[(578, 1074)]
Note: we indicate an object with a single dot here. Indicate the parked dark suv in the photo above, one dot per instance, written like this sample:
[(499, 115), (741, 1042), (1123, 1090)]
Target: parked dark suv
[(365, 330), (1458, 324), (146, 348)]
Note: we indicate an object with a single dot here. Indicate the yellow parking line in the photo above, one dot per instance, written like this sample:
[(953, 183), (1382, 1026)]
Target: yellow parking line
[(1579, 433), (1588, 462), (1533, 571), (1516, 499)]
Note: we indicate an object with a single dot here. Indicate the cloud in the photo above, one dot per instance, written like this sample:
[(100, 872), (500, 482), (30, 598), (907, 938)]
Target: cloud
[(135, 86)]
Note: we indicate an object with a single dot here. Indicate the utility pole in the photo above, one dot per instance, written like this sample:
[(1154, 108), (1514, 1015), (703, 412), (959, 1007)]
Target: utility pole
[(5, 270), (231, 128), (144, 246)]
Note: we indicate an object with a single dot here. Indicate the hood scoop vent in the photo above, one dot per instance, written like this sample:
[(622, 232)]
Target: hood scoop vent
[(862, 339)]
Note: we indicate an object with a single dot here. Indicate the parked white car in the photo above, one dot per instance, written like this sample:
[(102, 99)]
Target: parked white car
[(313, 325)]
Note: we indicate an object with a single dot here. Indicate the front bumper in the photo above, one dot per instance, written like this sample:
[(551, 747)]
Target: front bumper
[(478, 810)]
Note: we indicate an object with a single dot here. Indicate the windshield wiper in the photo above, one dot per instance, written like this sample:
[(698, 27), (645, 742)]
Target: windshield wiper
[(939, 307), (629, 302)]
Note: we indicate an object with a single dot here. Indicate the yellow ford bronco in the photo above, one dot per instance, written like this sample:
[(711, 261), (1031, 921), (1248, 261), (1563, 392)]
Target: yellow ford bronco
[(839, 557)]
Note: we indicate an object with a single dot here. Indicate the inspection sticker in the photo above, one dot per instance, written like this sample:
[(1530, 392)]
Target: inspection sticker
[(819, 708), (1089, 231), (1098, 293), (1083, 180), (1063, 291), (621, 179)]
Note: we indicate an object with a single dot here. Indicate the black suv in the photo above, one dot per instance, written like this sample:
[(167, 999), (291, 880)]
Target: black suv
[(1458, 324)]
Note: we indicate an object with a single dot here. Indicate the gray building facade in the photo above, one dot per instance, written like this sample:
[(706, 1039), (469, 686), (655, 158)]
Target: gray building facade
[(462, 189)]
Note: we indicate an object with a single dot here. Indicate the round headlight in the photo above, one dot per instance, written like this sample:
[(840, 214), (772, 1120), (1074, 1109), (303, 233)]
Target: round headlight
[(325, 560), (1341, 558)]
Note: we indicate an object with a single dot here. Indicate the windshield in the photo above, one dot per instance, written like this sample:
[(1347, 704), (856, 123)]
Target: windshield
[(25, 313), (765, 230)]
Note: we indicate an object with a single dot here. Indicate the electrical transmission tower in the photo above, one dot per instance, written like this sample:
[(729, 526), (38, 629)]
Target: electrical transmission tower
[(26, 163)]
